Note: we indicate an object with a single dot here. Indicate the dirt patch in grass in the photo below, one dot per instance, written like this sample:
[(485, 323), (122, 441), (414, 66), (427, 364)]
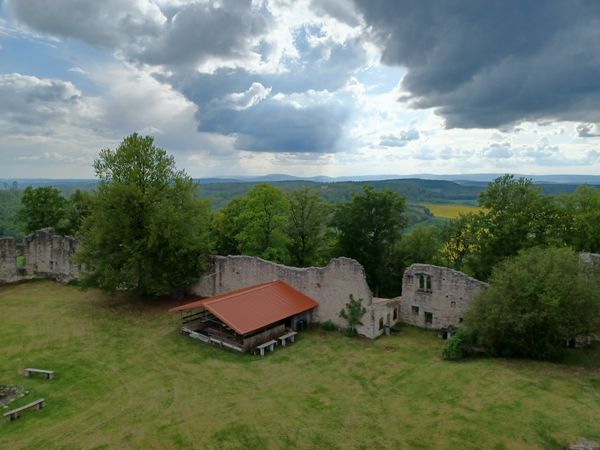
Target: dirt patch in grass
[(10, 393)]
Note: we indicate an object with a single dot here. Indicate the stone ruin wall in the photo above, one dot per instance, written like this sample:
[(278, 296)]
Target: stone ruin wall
[(448, 299), (47, 255), (330, 286)]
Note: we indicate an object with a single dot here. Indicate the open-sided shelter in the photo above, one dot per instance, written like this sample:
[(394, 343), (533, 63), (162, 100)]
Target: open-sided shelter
[(248, 317)]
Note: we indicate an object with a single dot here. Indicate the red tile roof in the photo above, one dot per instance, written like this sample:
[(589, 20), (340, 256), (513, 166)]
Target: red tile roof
[(249, 309)]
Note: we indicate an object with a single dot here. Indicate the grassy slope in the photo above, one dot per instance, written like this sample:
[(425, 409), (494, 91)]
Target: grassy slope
[(126, 378)]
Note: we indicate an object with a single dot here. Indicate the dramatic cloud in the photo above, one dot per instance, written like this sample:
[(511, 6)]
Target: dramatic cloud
[(198, 31), (252, 86), (180, 34), (493, 64), (279, 123), (107, 23), (29, 103)]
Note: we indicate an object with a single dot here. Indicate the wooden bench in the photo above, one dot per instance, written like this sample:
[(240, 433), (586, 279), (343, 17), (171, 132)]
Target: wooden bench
[(48, 374), (291, 336), (14, 414), (270, 344)]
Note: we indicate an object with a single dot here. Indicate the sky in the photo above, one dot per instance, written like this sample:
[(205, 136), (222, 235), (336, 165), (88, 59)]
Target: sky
[(302, 87)]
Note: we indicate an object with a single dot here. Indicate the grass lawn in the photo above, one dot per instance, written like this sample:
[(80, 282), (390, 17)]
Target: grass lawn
[(125, 378), (450, 211)]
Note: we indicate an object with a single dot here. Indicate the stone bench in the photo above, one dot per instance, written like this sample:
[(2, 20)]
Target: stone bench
[(48, 374), (15, 413), (270, 344), (291, 336)]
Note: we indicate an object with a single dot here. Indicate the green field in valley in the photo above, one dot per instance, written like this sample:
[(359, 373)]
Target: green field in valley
[(126, 378), (450, 211)]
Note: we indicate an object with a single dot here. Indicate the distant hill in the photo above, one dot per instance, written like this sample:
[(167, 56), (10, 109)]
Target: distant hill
[(460, 178), (334, 190)]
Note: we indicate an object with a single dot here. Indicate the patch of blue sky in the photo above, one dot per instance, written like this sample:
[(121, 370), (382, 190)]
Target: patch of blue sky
[(43, 59), (381, 79)]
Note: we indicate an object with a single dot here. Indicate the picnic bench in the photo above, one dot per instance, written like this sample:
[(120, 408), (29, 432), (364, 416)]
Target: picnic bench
[(270, 344), (48, 374), (291, 336), (14, 414)]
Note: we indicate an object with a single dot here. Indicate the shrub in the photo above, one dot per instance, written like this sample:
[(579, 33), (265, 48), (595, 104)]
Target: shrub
[(537, 301), (353, 313), (328, 326), (459, 346)]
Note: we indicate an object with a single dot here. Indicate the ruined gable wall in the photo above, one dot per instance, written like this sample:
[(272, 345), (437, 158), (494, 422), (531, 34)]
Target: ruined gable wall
[(448, 300), (47, 255), (330, 286)]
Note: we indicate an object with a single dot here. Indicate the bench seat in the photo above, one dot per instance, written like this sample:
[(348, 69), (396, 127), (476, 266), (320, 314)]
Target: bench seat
[(15, 413)]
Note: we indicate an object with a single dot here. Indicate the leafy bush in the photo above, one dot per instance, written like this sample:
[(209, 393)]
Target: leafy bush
[(328, 326), (353, 313), (537, 301), (459, 346)]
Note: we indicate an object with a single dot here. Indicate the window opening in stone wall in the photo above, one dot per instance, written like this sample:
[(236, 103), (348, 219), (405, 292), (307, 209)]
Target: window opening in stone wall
[(395, 314), (428, 318), (381, 323), (460, 319), (415, 310), (425, 283), (453, 304), (20, 262)]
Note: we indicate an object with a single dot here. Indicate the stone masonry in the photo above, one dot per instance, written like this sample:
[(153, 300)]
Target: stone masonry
[(432, 296), (47, 255), (436, 297), (330, 286)]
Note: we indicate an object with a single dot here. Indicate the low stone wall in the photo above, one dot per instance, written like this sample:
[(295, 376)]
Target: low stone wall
[(438, 301), (47, 255), (330, 286)]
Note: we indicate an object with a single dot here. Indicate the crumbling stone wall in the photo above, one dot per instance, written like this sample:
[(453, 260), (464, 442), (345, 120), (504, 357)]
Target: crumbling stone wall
[(444, 299), (330, 286), (8, 260), (47, 255)]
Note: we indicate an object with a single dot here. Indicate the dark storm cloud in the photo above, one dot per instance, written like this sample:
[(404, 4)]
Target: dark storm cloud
[(198, 31), (106, 23), (277, 125), (142, 32), (493, 64), (243, 102)]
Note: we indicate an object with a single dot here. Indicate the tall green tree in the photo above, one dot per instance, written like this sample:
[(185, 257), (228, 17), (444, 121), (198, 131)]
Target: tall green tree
[(536, 303), (43, 207), (227, 226), (582, 219), (306, 226), (148, 232), (263, 220), (369, 228), (10, 204), (79, 206), (516, 216)]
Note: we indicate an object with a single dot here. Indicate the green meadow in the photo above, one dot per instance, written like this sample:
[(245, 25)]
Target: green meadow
[(126, 378), (450, 211)]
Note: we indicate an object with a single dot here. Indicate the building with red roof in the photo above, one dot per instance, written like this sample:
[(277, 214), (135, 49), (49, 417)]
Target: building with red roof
[(247, 318)]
